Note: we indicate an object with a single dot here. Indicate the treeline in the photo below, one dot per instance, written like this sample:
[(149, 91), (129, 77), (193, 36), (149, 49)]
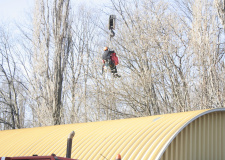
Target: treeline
[(171, 57)]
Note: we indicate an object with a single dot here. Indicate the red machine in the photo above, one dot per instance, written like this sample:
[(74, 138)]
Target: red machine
[(52, 157)]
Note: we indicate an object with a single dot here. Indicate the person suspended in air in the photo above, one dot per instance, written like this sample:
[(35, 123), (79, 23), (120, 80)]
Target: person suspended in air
[(109, 57)]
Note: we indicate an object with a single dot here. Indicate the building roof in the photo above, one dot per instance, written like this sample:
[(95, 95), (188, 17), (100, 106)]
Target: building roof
[(134, 138)]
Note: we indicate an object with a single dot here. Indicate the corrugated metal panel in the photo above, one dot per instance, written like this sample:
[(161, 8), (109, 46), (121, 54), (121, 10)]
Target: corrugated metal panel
[(201, 139), (136, 138)]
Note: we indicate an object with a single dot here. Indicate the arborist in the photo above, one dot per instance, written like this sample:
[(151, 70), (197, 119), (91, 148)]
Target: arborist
[(109, 56)]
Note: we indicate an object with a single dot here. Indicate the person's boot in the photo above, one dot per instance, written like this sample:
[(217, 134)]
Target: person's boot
[(116, 75)]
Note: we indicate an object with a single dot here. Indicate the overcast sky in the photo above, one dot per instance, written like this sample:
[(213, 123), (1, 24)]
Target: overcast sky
[(11, 10), (14, 9)]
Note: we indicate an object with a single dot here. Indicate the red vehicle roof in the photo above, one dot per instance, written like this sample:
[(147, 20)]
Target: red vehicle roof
[(36, 158)]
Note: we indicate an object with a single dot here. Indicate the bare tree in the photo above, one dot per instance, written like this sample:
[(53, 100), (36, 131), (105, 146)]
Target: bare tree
[(51, 46), (142, 41), (12, 91), (220, 6), (207, 46), (171, 60), (80, 74), (159, 50)]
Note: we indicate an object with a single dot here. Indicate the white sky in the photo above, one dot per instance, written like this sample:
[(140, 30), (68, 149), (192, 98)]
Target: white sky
[(11, 10)]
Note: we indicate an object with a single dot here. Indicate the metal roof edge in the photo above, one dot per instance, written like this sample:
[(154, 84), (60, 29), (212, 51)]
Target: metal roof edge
[(187, 123)]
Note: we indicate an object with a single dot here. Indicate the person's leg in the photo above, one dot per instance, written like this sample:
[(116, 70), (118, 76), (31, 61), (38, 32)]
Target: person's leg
[(103, 68), (114, 69)]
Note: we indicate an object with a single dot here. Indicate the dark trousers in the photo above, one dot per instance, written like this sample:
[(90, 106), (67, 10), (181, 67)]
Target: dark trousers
[(111, 65)]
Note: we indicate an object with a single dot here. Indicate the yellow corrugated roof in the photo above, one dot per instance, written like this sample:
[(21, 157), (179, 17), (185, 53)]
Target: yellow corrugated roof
[(135, 138)]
